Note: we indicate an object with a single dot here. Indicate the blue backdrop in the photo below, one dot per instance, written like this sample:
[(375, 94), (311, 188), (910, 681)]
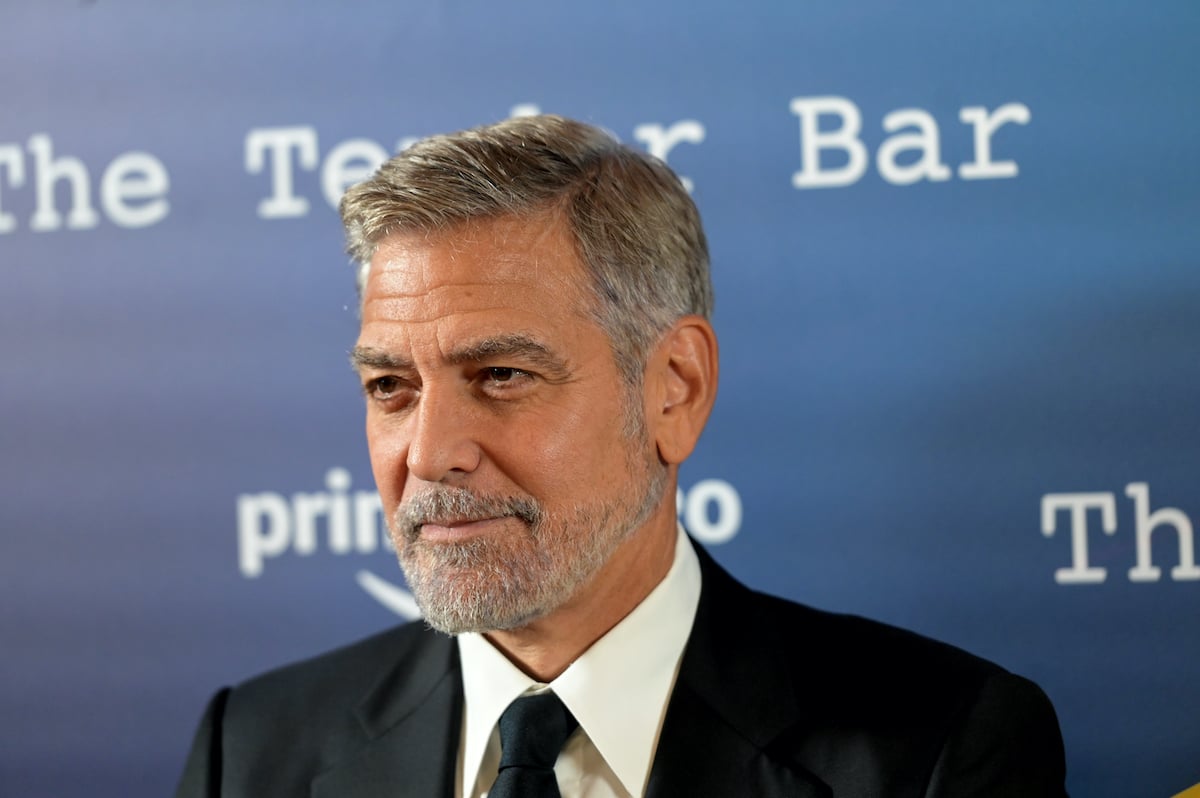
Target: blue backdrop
[(956, 257)]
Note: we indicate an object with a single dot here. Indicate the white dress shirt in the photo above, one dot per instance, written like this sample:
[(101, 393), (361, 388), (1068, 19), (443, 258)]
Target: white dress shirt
[(618, 691)]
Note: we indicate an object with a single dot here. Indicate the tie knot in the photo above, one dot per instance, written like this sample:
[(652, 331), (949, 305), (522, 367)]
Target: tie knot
[(533, 730)]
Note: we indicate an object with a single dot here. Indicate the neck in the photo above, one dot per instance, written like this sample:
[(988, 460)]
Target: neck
[(546, 647)]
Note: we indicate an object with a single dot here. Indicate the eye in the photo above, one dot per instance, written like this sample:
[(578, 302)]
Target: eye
[(504, 380), (500, 373), (383, 389)]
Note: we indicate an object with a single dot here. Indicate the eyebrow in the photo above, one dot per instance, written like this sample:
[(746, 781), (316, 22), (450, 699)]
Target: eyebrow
[(368, 357), (515, 345)]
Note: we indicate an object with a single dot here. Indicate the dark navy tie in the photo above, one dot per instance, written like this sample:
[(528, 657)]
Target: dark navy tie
[(532, 731)]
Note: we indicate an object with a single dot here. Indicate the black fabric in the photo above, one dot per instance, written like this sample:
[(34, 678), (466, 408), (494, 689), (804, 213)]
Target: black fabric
[(773, 699), (533, 731)]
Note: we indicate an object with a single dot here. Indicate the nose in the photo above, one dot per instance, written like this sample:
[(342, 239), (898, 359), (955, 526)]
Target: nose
[(443, 443)]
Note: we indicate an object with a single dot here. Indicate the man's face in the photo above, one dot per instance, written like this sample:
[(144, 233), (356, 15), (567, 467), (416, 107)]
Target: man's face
[(497, 421)]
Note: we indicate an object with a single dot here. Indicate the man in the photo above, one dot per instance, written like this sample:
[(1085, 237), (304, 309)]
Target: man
[(537, 361)]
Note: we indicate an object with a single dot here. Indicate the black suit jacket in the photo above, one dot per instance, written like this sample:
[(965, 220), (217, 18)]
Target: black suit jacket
[(773, 699)]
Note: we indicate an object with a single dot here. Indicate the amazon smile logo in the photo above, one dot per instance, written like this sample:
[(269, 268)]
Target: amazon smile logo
[(341, 522)]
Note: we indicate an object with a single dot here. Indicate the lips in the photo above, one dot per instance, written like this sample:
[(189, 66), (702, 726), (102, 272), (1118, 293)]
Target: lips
[(458, 529), (455, 520)]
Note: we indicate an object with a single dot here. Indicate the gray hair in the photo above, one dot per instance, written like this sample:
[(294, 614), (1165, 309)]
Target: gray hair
[(636, 230)]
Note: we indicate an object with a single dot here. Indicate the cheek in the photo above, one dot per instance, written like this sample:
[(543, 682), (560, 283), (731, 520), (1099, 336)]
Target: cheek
[(566, 455)]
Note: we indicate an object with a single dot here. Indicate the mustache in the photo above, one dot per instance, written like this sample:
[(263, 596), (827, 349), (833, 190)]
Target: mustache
[(443, 504)]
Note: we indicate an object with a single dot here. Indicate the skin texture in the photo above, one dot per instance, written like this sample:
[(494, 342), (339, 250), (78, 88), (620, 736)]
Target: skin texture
[(483, 372)]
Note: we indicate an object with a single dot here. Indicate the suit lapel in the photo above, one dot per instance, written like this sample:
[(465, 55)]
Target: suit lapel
[(734, 697), (411, 720), (700, 754)]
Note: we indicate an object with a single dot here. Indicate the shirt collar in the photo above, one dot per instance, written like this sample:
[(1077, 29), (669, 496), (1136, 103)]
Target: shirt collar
[(619, 700)]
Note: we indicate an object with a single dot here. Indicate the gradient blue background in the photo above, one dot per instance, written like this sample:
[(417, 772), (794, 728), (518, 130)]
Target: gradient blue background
[(906, 370)]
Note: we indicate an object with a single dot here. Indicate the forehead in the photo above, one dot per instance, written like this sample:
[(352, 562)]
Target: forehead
[(486, 271)]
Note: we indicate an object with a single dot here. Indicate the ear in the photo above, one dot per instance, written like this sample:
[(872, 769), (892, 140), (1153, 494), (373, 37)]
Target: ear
[(681, 386)]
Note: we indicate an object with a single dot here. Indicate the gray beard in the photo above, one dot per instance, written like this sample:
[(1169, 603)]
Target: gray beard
[(497, 582)]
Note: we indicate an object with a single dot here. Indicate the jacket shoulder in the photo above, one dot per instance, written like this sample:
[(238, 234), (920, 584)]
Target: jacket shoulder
[(859, 664), (337, 678), (866, 707), (274, 733)]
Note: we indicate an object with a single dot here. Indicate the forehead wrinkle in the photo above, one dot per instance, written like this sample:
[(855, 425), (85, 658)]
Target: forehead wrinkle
[(415, 292), (533, 238), (389, 304), (501, 269), (411, 310), (526, 271)]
